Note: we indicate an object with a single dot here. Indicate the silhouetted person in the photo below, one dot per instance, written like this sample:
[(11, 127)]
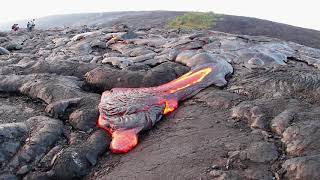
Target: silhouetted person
[(15, 27), (32, 24), (29, 28), (85, 29)]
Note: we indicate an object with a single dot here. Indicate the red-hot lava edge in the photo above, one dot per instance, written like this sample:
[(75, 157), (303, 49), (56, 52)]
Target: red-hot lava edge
[(124, 140)]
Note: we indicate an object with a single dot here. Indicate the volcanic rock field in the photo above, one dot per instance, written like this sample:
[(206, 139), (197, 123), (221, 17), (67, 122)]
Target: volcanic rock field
[(264, 124)]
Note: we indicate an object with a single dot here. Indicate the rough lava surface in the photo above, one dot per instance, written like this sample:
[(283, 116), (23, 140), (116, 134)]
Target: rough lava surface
[(124, 112), (264, 124)]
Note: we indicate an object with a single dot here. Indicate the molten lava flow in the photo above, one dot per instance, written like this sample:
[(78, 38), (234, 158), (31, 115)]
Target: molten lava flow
[(127, 111), (188, 80), (171, 105), (102, 124), (123, 141)]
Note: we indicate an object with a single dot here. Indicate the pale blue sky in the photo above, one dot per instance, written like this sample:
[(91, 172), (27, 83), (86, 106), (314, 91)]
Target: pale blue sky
[(295, 12)]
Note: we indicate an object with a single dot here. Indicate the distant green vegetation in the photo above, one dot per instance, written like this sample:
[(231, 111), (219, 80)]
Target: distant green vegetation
[(194, 20)]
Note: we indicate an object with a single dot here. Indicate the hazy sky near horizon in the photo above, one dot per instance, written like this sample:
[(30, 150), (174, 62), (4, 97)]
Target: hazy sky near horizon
[(295, 12)]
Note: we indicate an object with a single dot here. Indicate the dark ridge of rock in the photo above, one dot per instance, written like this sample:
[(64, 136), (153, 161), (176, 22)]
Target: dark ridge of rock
[(163, 73), (10, 136), (65, 68), (54, 89), (44, 132), (75, 162), (301, 82), (4, 51), (305, 167), (296, 123), (106, 78), (24, 144), (17, 108), (13, 46), (3, 34), (8, 176)]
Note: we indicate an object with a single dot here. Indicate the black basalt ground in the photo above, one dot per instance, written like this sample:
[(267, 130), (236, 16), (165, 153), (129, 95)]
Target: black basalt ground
[(263, 124)]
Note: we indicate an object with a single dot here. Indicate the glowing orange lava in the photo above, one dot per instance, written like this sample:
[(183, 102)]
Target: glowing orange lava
[(123, 141), (189, 79), (171, 105)]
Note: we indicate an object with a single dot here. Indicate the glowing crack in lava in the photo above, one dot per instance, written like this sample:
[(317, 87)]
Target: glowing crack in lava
[(124, 112)]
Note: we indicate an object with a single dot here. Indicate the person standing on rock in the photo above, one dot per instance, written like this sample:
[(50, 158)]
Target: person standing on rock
[(29, 27), (32, 25), (85, 29), (15, 27)]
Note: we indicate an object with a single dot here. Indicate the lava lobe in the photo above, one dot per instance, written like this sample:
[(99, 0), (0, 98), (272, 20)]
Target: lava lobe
[(124, 112)]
